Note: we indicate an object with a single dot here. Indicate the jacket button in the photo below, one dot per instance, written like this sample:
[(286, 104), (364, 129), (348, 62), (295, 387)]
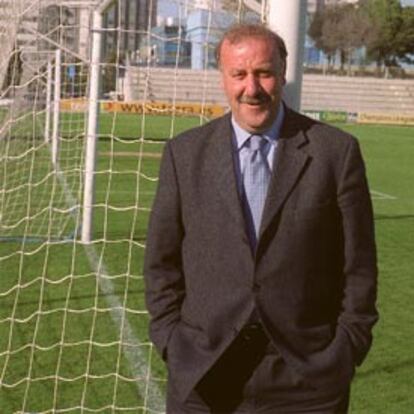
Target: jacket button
[(252, 331)]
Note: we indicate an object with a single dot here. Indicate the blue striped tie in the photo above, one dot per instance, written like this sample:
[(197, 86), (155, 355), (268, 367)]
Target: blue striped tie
[(256, 179)]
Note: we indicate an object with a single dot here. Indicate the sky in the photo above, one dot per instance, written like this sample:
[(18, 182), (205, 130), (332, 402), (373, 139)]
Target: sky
[(169, 7)]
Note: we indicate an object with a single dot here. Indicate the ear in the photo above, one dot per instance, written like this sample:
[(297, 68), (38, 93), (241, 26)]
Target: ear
[(283, 74)]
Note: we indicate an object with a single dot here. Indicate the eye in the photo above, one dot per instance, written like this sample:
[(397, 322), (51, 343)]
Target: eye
[(265, 74), (237, 75)]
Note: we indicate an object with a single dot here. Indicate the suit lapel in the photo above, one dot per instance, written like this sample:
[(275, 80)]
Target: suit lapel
[(289, 162), (223, 172)]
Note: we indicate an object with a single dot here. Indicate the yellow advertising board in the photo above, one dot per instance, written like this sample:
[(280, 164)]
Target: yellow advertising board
[(392, 119), (164, 108), (149, 108), (74, 105)]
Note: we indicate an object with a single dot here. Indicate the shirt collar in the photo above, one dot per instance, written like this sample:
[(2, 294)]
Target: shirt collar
[(271, 134)]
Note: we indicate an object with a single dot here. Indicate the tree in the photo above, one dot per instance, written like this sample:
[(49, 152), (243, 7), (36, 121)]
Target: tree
[(315, 29), (350, 32), (339, 28), (386, 21), (318, 32), (405, 37), (392, 37), (383, 27)]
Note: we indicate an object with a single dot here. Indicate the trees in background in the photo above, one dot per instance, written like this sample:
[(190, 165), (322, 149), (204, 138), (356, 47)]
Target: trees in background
[(383, 27), (406, 36), (339, 29), (385, 17)]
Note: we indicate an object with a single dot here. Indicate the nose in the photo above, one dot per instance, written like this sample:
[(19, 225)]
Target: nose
[(252, 86)]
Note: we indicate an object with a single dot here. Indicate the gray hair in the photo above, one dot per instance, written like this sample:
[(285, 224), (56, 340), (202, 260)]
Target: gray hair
[(241, 31)]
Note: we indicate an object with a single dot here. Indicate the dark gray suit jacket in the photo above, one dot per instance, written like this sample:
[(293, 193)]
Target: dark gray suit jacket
[(312, 277)]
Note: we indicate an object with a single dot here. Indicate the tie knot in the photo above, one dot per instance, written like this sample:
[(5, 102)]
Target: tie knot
[(256, 142)]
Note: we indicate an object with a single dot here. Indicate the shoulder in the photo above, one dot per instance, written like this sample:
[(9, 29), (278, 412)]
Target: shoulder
[(319, 137), (199, 135), (195, 144), (317, 130)]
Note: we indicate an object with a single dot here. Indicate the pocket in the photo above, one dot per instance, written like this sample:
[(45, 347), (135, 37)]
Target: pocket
[(186, 336), (331, 368), (314, 339)]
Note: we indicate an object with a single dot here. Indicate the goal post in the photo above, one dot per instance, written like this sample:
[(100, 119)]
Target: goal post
[(92, 125), (48, 106), (56, 106)]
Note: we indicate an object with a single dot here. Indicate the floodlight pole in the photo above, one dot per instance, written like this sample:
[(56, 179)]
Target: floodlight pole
[(288, 19), (92, 126)]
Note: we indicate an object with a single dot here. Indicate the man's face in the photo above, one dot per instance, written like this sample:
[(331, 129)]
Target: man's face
[(253, 79)]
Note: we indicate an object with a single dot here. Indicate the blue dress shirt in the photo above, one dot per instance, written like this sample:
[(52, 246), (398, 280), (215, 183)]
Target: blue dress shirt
[(240, 154), (240, 137)]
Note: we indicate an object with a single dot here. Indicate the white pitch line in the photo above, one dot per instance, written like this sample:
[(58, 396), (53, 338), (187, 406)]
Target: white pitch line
[(377, 195), (136, 358)]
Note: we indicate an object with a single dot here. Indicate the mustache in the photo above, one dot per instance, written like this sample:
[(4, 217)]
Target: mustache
[(254, 100)]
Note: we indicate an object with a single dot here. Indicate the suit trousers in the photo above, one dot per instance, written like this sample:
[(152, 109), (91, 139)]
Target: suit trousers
[(251, 377)]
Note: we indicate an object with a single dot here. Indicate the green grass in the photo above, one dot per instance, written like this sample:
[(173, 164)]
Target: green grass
[(121, 125), (385, 382), (59, 345)]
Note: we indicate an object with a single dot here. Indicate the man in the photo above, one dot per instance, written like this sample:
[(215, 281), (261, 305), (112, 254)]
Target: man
[(260, 265)]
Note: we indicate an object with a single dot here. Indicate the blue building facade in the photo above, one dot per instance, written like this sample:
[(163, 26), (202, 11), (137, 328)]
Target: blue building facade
[(170, 47), (204, 30)]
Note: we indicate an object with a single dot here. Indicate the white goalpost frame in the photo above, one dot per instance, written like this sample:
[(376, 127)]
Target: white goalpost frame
[(56, 106), (92, 125), (48, 107)]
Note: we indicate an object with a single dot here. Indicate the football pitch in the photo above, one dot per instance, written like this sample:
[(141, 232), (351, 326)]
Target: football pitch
[(73, 323)]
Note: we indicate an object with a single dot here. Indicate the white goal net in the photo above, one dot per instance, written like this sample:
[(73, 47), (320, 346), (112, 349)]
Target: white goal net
[(73, 323)]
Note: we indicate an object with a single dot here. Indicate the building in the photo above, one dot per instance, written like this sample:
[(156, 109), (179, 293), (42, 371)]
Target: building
[(31, 30), (37, 30), (207, 19), (169, 44), (135, 19), (34, 29), (46, 23)]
